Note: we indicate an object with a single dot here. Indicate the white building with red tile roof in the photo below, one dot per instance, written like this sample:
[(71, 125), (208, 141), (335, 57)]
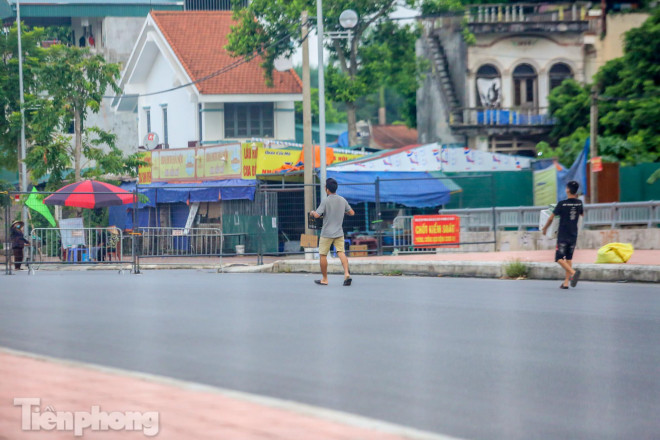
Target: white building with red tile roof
[(185, 86)]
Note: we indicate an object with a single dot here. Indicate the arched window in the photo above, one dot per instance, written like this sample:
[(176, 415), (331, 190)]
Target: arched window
[(524, 86), (558, 73), (489, 86)]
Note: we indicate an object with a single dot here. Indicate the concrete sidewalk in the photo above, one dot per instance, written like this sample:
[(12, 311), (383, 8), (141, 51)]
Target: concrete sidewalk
[(581, 256), (185, 410), (643, 267)]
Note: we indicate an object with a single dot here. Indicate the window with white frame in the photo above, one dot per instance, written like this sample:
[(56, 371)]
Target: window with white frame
[(247, 120), (166, 142), (147, 117)]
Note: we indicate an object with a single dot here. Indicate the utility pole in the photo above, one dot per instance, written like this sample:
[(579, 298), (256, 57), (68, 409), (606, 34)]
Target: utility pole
[(382, 113), (593, 180), (23, 174), (319, 30), (308, 148)]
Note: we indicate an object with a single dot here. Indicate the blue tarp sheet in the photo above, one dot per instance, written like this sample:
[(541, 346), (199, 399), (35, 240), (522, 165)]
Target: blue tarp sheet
[(353, 186), (160, 192), (577, 172)]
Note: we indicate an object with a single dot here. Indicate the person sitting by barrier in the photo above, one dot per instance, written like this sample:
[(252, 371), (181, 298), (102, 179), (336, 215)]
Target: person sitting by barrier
[(112, 242), (106, 243), (18, 242)]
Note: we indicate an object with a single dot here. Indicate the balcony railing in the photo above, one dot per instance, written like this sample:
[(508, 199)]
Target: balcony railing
[(481, 116), (527, 12), (214, 5)]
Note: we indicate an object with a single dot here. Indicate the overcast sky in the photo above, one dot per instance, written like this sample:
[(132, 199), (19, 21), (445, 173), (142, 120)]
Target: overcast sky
[(313, 41)]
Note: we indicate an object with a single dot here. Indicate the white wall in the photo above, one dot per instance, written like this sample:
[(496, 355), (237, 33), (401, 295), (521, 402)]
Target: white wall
[(181, 106), (285, 121), (213, 122), (114, 39), (119, 37)]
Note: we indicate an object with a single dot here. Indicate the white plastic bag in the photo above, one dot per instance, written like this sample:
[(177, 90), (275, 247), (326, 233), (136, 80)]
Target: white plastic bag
[(554, 227)]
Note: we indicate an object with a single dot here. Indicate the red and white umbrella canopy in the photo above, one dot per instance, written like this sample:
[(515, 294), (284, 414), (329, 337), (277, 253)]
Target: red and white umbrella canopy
[(90, 194)]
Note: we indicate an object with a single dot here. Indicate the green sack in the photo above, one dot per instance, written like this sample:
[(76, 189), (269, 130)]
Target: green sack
[(615, 253)]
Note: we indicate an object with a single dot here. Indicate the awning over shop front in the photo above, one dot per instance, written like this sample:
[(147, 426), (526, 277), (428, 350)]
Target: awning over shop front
[(160, 192), (183, 193), (413, 189)]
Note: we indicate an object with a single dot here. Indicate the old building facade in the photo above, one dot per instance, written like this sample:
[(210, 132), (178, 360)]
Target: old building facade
[(493, 94)]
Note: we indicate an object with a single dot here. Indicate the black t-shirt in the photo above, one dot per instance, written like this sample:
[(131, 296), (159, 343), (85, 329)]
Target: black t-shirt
[(569, 212)]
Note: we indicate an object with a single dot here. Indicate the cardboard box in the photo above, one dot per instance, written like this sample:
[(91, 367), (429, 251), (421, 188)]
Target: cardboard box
[(309, 241), (358, 247)]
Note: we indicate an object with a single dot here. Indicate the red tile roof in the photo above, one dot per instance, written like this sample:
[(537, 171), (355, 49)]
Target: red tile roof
[(389, 137), (198, 38)]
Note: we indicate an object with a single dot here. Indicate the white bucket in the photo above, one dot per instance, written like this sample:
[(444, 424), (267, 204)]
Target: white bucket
[(311, 253), (240, 249)]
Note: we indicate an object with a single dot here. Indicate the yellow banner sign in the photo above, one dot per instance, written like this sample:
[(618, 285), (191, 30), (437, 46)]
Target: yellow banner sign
[(250, 152), (173, 165), (144, 171), (219, 162), (274, 160), (343, 157), (270, 160)]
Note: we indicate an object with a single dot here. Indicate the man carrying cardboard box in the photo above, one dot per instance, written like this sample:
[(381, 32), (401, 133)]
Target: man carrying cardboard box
[(332, 209)]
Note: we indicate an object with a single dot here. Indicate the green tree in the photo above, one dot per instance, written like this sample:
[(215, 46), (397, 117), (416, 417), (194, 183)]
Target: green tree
[(100, 158), (10, 120), (332, 115), (75, 81), (628, 106), (274, 28)]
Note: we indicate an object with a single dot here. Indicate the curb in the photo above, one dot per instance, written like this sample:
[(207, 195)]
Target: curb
[(477, 269), (467, 269)]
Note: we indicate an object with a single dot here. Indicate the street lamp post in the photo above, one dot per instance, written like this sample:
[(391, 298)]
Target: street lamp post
[(348, 20), (23, 167)]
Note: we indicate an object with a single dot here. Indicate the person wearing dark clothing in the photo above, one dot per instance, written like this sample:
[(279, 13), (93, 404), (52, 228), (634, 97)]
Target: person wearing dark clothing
[(18, 242), (569, 212)]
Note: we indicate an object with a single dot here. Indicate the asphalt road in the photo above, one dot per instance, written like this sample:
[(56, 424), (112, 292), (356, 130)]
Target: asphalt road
[(475, 359)]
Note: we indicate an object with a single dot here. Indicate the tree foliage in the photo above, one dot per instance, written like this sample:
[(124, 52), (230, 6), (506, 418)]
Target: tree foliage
[(628, 106), (10, 128), (76, 81), (100, 156), (379, 53), (62, 84)]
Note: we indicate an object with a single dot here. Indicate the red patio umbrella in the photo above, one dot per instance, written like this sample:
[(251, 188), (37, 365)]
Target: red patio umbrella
[(90, 194)]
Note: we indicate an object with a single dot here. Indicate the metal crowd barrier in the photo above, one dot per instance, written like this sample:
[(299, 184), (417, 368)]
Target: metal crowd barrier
[(69, 246), (179, 242), (522, 218)]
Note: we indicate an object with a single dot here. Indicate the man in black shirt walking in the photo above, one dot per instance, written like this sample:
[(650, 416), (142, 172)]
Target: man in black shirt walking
[(569, 212)]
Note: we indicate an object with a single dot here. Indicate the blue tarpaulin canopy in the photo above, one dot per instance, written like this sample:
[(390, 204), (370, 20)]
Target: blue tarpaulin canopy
[(395, 187), (182, 193), (160, 192)]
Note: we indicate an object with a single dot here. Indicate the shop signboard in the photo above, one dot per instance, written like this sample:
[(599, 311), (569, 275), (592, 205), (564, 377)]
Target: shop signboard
[(435, 230), (250, 153), (144, 171), (219, 162)]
